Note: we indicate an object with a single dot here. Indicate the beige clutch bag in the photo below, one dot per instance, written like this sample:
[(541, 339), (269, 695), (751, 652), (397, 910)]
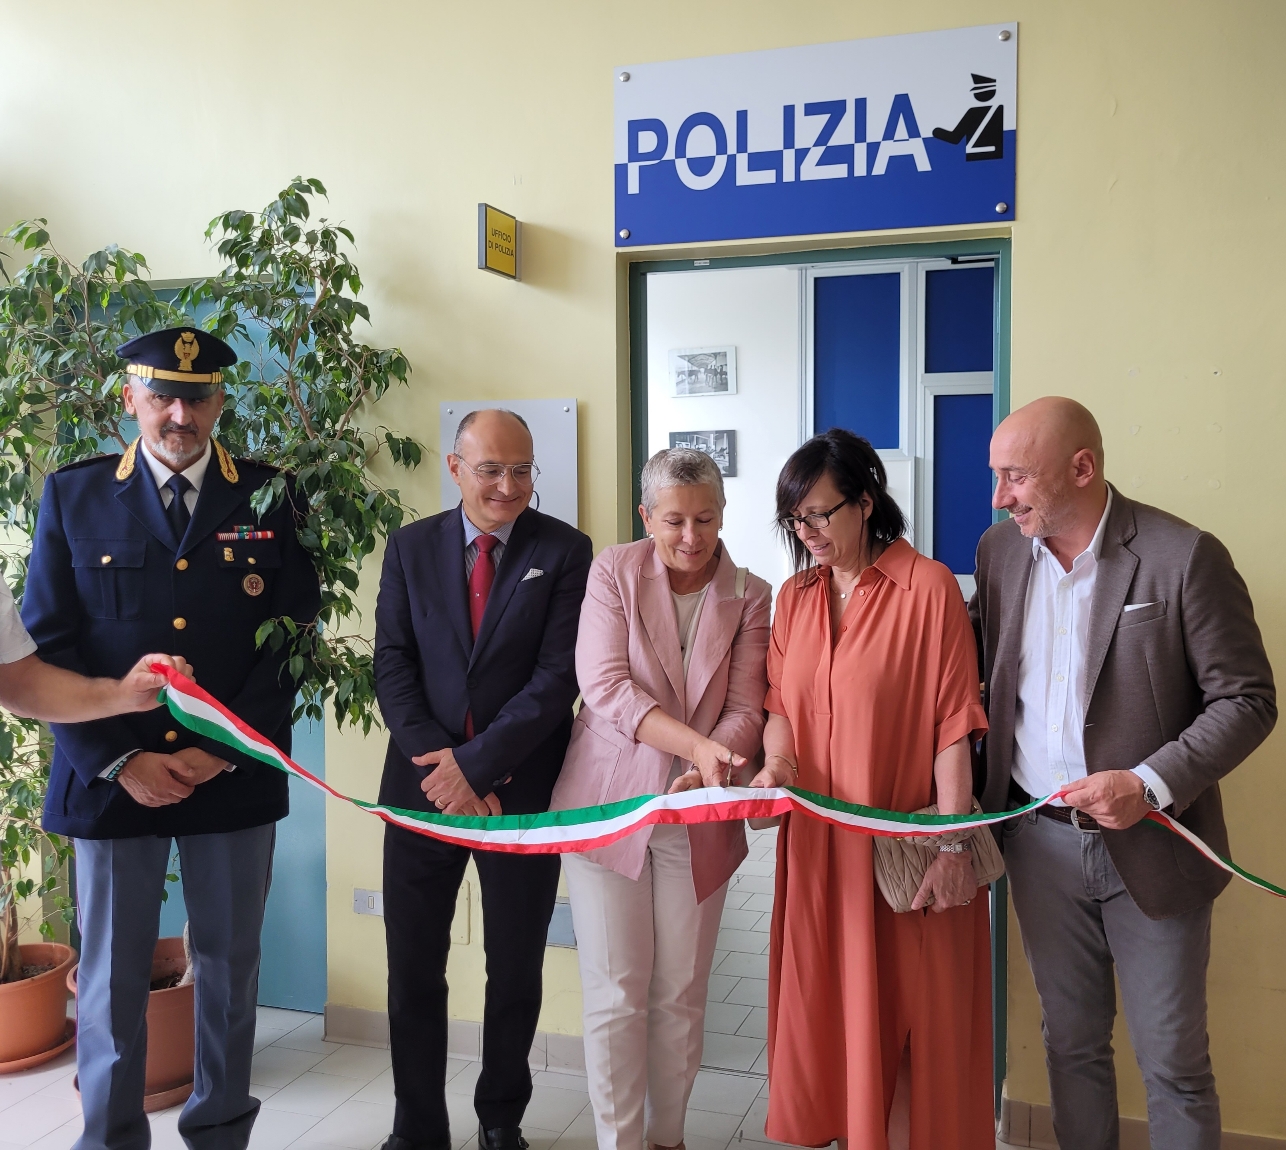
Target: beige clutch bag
[(900, 863)]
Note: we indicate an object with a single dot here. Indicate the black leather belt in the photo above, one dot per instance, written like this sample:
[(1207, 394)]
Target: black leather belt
[(1079, 819)]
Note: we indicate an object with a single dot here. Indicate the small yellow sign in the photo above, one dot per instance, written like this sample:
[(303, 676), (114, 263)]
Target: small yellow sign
[(499, 242)]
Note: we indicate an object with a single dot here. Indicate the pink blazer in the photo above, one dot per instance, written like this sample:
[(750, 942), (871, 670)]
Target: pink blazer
[(628, 660)]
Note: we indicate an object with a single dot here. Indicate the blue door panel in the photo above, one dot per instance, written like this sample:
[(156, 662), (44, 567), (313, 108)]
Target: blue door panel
[(958, 319), (961, 478), (857, 355)]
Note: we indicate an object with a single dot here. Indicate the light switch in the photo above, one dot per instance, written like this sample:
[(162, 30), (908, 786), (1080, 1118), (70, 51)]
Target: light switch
[(368, 902)]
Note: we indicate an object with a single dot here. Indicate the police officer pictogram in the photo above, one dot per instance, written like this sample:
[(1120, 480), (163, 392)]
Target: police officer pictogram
[(982, 127)]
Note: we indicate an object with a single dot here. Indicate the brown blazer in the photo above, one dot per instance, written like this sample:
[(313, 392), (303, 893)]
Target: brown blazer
[(1182, 684)]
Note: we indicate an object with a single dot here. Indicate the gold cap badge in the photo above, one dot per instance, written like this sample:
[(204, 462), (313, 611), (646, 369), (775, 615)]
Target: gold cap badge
[(187, 349)]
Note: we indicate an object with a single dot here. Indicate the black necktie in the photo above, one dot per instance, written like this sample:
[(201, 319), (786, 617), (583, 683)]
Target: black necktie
[(177, 512)]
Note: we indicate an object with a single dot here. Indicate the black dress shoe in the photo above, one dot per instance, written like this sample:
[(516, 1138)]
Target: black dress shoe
[(501, 1138), (397, 1142)]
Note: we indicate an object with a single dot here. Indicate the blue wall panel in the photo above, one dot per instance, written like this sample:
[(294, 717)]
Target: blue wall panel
[(961, 478), (857, 328), (958, 319)]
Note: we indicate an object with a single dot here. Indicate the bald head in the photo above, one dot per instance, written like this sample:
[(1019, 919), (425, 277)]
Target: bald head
[(1048, 460), (1054, 428), (489, 446)]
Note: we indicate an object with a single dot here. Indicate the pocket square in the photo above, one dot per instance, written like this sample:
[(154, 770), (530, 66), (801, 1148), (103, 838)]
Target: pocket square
[(534, 573), (1138, 606)]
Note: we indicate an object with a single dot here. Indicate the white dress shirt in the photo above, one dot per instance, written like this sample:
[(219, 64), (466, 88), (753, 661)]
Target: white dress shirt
[(194, 473), (1049, 720)]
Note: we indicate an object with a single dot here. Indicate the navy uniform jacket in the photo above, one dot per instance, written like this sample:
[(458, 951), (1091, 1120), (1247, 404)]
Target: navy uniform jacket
[(518, 678), (107, 584)]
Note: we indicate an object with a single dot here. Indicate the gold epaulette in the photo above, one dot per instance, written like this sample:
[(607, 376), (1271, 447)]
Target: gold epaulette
[(125, 468), (226, 465)]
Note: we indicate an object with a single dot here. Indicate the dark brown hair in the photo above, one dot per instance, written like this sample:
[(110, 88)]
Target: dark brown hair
[(856, 470)]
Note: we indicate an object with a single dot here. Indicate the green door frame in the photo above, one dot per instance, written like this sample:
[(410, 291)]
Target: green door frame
[(999, 249)]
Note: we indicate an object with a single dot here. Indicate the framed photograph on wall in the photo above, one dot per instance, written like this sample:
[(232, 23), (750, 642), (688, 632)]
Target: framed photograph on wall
[(721, 446), (703, 371)]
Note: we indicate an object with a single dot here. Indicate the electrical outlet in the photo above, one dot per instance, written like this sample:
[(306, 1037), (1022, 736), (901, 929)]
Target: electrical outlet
[(368, 902)]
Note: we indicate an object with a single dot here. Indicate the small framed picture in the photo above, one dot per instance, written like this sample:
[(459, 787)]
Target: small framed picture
[(721, 446), (703, 371)]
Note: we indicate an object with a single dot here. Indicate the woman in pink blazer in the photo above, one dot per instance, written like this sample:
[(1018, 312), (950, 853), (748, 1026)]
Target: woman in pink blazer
[(671, 662)]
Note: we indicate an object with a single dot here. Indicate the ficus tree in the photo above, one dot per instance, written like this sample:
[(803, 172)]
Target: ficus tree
[(299, 399)]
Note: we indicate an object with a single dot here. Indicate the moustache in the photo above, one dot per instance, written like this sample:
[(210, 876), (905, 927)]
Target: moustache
[(179, 429)]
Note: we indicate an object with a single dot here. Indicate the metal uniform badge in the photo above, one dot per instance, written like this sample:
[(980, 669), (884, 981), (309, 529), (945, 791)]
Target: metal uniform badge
[(187, 349), (252, 584), (227, 554)]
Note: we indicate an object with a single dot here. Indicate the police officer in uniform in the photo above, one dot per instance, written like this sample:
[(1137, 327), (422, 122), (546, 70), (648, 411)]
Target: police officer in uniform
[(158, 550)]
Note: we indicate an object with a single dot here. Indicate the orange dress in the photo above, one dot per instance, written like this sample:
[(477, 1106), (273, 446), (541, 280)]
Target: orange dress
[(850, 982)]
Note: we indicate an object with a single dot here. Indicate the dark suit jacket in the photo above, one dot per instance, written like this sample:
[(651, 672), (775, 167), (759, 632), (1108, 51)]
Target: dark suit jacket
[(1182, 684), (105, 586), (518, 679)]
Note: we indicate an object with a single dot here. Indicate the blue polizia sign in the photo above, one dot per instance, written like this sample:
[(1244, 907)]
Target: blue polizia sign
[(903, 131)]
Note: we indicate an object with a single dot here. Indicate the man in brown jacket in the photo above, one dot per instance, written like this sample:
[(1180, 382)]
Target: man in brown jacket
[(1122, 664)]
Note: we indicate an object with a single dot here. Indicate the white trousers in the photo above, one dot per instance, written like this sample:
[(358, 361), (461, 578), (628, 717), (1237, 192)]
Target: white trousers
[(645, 949)]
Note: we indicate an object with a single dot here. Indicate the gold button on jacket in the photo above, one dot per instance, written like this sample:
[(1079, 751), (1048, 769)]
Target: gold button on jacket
[(180, 623), (171, 736), (182, 565)]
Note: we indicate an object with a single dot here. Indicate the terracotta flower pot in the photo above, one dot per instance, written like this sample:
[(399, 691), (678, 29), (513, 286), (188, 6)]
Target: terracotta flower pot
[(171, 1030), (33, 1011)]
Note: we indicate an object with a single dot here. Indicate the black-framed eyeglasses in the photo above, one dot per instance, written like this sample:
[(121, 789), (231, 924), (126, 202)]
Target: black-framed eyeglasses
[(817, 520), (489, 474)]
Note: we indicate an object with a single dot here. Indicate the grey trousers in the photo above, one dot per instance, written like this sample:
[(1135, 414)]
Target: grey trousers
[(1077, 921), (119, 884)]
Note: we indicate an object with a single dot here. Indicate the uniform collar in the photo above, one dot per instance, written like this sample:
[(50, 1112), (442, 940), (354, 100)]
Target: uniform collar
[(194, 473), (471, 532)]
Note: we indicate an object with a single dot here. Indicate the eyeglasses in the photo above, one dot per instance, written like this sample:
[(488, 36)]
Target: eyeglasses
[(489, 474), (817, 520)]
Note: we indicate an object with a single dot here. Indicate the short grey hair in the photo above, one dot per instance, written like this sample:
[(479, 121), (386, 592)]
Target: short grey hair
[(467, 421), (680, 467)]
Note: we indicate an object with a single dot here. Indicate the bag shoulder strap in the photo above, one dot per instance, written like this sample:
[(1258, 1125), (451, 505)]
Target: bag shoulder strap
[(740, 585)]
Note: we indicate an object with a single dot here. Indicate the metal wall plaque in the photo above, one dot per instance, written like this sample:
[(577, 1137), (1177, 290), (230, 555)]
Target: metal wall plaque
[(499, 242)]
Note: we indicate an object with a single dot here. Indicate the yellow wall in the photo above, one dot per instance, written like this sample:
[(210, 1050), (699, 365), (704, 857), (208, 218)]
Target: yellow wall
[(1147, 281)]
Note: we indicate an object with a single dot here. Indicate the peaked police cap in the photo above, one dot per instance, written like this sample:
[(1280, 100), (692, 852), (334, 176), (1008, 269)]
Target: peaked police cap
[(182, 362)]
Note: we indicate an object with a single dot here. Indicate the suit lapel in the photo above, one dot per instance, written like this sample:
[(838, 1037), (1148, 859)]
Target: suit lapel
[(453, 589), (656, 612), (218, 499), (1116, 567), (142, 499), (514, 564), (720, 616)]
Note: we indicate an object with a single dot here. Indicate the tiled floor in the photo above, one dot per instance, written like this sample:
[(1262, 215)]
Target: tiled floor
[(320, 1095)]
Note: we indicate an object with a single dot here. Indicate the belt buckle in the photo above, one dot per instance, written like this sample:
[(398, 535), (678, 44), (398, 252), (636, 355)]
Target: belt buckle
[(1076, 822)]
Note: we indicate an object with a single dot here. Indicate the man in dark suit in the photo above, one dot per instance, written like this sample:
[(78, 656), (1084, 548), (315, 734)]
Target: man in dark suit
[(1123, 665), (475, 643), (147, 552)]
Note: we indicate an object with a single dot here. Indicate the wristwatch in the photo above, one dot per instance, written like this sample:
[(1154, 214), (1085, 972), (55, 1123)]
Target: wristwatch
[(1150, 797), (954, 848)]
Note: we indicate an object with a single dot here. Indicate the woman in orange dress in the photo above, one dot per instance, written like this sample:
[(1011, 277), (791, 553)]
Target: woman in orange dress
[(879, 1024)]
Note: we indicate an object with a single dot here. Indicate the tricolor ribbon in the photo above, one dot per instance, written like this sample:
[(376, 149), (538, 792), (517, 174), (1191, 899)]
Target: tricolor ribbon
[(585, 828)]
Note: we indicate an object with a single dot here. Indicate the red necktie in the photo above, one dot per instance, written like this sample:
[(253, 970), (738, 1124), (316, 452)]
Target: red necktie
[(480, 580)]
